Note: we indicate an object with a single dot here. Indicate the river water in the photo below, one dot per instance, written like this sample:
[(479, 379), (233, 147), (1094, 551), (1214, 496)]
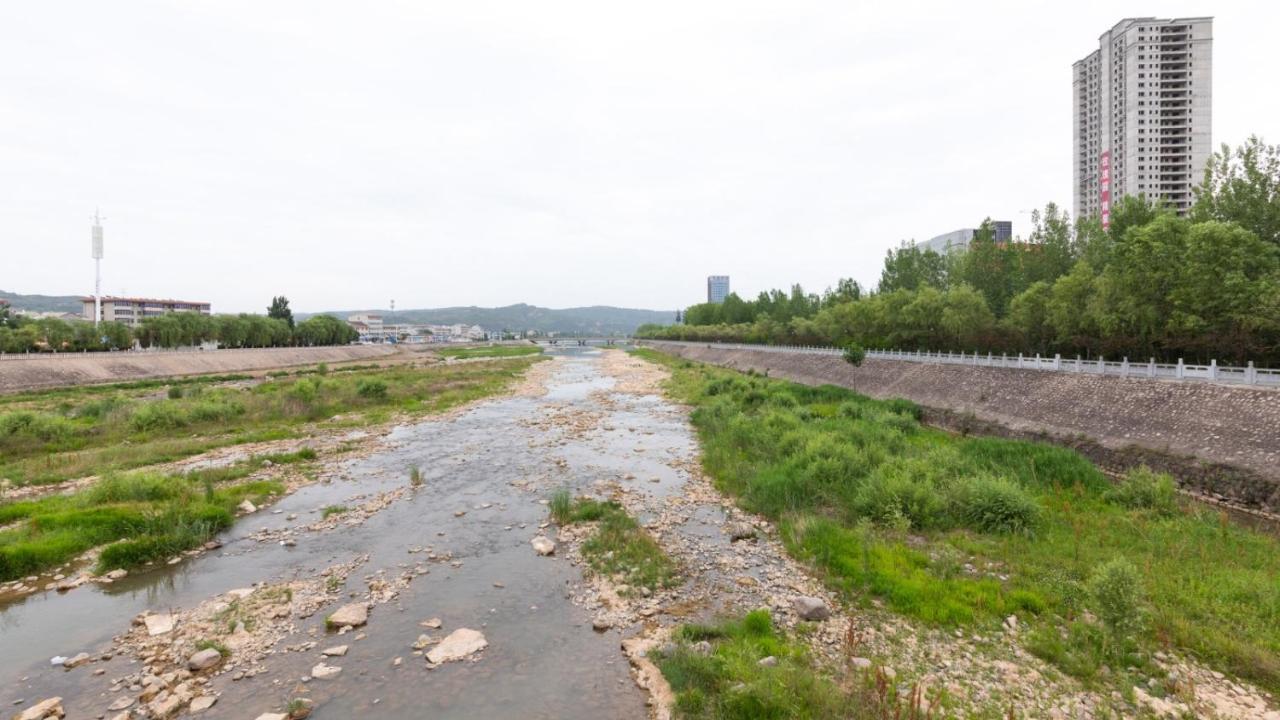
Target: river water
[(497, 461)]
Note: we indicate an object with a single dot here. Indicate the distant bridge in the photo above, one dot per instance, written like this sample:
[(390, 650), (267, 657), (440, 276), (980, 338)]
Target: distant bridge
[(584, 341)]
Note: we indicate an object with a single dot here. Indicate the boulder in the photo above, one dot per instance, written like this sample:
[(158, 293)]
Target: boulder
[(51, 708), (434, 623), (458, 645), (202, 703), (335, 651), (769, 661), (811, 608), (301, 708), (158, 624), (325, 672), (741, 531), (76, 661), (165, 706), (246, 507), (355, 615), (204, 659), (543, 545)]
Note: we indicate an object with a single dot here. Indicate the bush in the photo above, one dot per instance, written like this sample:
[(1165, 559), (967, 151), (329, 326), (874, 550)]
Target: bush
[(1144, 489), (854, 354), (893, 494), (371, 389), (214, 411), (39, 426), (160, 415), (175, 392), (996, 505), (1116, 591), (561, 506)]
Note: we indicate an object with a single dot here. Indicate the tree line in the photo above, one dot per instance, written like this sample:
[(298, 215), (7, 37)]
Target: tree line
[(1153, 284), (20, 334)]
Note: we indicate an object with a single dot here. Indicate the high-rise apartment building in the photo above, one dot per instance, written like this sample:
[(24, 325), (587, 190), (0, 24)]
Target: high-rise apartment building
[(717, 288), (1142, 113)]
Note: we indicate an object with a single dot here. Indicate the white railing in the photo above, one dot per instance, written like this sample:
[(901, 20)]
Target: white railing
[(1213, 372), (140, 352)]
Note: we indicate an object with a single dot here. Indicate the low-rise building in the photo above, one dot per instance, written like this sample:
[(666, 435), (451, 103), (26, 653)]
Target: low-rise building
[(368, 326), (958, 240), (132, 311)]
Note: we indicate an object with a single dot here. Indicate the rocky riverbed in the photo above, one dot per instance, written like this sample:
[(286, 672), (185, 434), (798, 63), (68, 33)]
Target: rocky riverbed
[(441, 589)]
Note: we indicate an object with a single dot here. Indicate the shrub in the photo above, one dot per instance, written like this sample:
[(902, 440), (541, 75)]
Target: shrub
[(415, 476), (1144, 489), (996, 505), (371, 388), (175, 392), (214, 411), (160, 415), (322, 369), (854, 354), (893, 494), (1116, 591), (39, 426), (561, 505)]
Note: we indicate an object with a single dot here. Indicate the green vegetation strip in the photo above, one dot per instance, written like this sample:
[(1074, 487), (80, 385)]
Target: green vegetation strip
[(145, 516), (63, 434), (498, 351), (619, 548), (746, 670), (963, 531)]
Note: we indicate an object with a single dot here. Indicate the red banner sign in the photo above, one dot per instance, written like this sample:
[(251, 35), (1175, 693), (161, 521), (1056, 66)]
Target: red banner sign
[(1104, 177)]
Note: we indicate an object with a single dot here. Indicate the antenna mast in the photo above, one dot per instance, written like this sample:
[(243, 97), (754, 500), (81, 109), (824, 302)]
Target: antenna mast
[(97, 268)]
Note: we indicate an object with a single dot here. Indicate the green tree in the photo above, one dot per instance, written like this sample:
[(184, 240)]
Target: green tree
[(1243, 187), (1028, 318), (279, 309), (910, 268)]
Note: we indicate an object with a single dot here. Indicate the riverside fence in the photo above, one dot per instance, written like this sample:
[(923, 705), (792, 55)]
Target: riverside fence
[(1180, 371)]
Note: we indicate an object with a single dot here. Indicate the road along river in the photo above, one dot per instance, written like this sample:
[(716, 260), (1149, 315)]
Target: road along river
[(450, 551)]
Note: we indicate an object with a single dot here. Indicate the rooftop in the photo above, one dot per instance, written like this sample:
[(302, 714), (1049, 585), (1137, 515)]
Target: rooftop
[(164, 301)]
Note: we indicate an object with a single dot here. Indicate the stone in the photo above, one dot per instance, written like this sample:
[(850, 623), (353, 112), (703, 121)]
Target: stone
[(769, 661), (272, 716), (325, 672), (434, 623), (543, 545), (76, 660), (204, 659), (1011, 623), (741, 531), (601, 624), (335, 651), (302, 708), (124, 702), (458, 645), (159, 624), (702, 647), (247, 507), (202, 703), (354, 615), (860, 663), (165, 706), (117, 574), (51, 708), (422, 642), (810, 608)]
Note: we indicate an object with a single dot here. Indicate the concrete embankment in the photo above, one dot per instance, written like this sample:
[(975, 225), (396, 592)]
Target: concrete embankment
[(17, 374), (1220, 441)]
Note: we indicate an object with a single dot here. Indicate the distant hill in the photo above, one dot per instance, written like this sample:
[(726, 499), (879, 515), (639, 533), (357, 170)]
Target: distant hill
[(601, 319), (43, 303)]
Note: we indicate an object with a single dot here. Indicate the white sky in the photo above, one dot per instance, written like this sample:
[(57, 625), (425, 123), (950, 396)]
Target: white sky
[(561, 154)]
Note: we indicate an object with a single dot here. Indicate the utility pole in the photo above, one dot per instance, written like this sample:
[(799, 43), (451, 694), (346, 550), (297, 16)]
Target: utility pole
[(97, 268)]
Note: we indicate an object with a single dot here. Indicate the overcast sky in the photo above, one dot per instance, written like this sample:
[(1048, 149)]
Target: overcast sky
[(560, 154)]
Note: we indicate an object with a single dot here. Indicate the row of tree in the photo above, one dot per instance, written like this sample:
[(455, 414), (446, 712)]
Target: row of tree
[(1153, 284), (19, 334)]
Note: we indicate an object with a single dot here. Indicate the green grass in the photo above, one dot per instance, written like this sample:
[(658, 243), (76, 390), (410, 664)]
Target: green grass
[(726, 681), (332, 510), (619, 548), (139, 517), (497, 351), (73, 432), (962, 531)]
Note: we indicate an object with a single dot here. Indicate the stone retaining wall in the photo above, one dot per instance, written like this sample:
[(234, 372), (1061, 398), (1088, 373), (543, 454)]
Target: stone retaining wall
[(1222, 441), (17, 374)]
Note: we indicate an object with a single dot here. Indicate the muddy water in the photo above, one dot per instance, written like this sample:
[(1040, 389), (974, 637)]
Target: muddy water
[(496, 462)]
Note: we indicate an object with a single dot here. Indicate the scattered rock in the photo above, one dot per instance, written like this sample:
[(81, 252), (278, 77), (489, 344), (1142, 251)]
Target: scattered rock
[(543, 545), (861, 663), (335, 651), (324, 672), (124, 702), (204, 660), (301, 708), (458, 645), (158, 624), (353, 615), (1011, 623), (247, 507), (51, 708), (769, 661), (272, 716), (601, 624), (434, 623), (202, 703), (810, 608), (741, 531), (76, 660)]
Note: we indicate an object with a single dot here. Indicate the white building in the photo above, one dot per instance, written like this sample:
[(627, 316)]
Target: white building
[(1142, 113), (368, 325), (133, 310)]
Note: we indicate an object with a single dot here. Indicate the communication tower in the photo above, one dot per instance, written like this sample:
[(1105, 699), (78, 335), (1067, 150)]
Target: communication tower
[(97, 268)]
